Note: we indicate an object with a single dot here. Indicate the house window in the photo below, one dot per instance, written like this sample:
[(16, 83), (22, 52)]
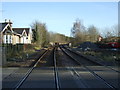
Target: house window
[(6, 38)]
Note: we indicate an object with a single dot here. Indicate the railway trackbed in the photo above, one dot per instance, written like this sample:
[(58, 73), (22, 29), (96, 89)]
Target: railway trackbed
[(27, 79), (95, 69), (89, 60), (59, 68)]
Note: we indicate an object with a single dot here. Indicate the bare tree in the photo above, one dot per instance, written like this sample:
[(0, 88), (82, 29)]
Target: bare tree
[(93, 33), (115, 31), (78, 32)]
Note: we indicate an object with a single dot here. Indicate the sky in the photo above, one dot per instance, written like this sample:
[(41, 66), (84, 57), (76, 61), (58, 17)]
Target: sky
[(60, 16)]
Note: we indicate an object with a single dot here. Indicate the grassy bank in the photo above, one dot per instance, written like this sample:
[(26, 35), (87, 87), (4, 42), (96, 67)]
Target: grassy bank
[(104, 55)]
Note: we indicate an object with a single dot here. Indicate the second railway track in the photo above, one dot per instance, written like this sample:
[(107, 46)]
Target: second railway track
[(83, 62), (89, 60)]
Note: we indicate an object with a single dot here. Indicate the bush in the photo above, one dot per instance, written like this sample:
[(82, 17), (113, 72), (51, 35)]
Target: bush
[(17, 51)]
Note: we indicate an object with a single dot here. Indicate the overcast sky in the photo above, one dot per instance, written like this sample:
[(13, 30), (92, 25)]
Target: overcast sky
[(59, 16)]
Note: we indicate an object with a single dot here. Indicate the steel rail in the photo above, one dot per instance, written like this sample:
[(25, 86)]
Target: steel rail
[(74, 72), (93, 73), (56, 70), (83, 57), (93, 61), (29, 72)]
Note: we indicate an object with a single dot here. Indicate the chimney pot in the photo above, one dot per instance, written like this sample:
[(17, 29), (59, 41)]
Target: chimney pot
[(5, 20), (9, 21)]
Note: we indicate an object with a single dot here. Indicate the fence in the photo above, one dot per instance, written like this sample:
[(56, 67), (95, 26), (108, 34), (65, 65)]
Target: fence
[(2, 56)]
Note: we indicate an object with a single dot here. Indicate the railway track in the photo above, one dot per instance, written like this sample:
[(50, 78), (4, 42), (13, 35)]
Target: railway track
[(56, 79), (97, 76), (59, 78), (23, 80), (79, 58), (89, 60), (56, 71), (28, 72)]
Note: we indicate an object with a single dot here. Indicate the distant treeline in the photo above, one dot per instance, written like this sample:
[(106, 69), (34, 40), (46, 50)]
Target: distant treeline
[(79, 34)]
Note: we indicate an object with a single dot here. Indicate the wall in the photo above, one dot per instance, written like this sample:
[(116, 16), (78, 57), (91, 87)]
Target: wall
[(24, 40), (16, 39)]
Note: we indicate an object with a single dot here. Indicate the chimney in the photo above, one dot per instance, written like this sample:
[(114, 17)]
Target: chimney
[(9, 21), (5, 20)]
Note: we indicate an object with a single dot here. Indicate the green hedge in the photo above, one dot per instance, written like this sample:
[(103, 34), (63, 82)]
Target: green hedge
[(16, 51)]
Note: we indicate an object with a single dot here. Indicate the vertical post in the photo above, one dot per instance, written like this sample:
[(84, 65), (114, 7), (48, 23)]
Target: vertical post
[(3, 55), (1, 48), (119, 34), (0, 55), (0, 66)]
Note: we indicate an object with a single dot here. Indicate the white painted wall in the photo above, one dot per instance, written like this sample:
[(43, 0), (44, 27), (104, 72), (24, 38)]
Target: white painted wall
[(16, 39), (24, 40), (4, 39), (21, 40)]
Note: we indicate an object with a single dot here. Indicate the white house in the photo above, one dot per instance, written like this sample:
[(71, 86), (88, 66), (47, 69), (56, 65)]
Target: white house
[(9, 35)]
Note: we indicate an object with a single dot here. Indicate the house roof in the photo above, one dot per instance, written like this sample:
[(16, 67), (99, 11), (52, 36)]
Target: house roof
[(2, 26), (20, 30)]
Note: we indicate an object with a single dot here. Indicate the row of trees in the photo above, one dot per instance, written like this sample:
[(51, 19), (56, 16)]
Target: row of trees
[(42, 37), (81, 34), (112, 34)]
